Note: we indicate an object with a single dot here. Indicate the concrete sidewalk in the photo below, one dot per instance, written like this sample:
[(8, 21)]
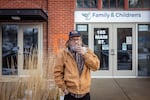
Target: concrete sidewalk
[(120, 89)]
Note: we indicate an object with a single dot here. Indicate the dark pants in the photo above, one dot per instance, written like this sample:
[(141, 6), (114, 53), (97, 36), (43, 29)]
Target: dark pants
[(70, 97)]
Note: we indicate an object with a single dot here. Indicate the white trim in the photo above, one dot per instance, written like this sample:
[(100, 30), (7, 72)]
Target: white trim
[(40, 49), (120, 76), (136, 48), (113, 77)]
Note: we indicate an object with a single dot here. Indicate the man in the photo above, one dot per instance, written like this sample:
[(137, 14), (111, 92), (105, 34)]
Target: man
[(72, 69)]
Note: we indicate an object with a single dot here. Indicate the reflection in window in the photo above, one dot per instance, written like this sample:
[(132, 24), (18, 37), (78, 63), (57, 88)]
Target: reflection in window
[(107, 4), (146, 4), (79, 4), (9, 49), (87, 3), (139, 3), (124, 48), (113, 4), (144, 50), (30, 45), (120, 4), (101, 46)]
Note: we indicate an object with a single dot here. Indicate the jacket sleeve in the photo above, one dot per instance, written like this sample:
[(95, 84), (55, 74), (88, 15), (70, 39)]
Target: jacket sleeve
[(58, 71), (91, 60)]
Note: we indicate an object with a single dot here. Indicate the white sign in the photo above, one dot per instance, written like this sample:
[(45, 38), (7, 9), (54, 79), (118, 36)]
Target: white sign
[(82, 28), (128, 40), (112, 16), (100, 42), (105, 47), (101, 36)]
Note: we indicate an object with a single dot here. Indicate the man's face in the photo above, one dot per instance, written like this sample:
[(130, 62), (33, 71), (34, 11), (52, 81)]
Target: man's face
[(75, 41)]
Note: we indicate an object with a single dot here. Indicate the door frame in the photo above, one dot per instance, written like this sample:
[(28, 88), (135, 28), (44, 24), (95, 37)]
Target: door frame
[(132, 72), (99, 73), (22, 73), (112, 72)]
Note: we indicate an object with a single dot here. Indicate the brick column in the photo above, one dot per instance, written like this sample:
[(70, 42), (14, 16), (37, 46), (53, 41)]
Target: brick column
[(60, 22)]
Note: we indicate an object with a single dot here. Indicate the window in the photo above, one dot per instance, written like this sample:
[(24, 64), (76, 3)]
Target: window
[(101, 46), (87, 3), (139, 3), (124, 48), (9, 50), (30, 47), (83, 29), (19, 48), (107, 4), (144, 49)]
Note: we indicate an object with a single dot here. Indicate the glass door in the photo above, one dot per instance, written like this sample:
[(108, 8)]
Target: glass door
[(20, 46), (124, 38), (101, 43), (29, 46), (113, 44)]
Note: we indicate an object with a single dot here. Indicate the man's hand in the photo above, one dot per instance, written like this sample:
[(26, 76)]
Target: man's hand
[(81, 50)]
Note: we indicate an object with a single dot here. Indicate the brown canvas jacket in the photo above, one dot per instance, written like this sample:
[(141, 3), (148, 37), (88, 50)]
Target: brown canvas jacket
[(66, 72)]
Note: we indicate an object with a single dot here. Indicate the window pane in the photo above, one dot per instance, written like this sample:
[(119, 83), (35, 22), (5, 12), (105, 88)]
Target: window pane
[(86, 3), (79, 3), (93, 3), (30, 44), (135, 4), (105, 4), (101, 46), (9, 49), (124, 48), (144, 50), (112, 3), (120, 3), (84, 36), (146, 3), (83, 29)]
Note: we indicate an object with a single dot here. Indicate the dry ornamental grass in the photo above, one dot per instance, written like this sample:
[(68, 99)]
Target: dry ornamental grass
[(39, 85)]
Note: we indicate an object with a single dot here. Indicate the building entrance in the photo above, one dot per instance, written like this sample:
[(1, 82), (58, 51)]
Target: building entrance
[(114, 45)]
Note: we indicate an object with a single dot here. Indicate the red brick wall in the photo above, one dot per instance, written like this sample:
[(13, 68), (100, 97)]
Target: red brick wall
[(29, 4), (13, 4), (60, 19), (60, 22)]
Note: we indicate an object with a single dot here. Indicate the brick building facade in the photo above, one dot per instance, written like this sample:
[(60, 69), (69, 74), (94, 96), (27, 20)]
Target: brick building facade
[(32, 24), (116, 30), (60, 22), (60, 19)]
